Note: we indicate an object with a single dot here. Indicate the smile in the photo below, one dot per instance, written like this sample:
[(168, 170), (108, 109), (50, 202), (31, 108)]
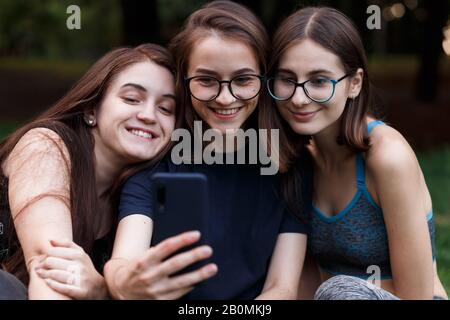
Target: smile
[(146, 134), (226, 113), (303, 116)]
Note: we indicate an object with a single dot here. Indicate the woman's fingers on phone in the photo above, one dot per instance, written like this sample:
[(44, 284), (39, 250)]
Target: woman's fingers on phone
[(158, 253), (173, 244), (182, 260), (192, 278)]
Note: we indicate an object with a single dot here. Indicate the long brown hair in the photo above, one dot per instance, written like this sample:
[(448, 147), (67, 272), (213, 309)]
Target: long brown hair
[(335, 32), (66, 118), (229, 20)]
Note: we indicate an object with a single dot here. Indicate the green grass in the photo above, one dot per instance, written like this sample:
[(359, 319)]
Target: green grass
[(436, 168)]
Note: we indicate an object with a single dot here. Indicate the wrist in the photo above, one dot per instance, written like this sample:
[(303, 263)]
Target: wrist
[(102, 289)]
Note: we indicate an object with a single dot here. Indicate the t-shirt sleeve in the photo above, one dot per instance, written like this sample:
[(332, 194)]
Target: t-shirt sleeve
[(136, 194), (291, 224)]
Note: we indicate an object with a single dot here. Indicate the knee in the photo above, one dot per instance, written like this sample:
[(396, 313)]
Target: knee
[(11, 288), (340, 287)]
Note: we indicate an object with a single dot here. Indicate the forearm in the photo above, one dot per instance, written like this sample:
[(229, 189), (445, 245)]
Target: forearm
[(38, 288), (413, 289), (278, 293)]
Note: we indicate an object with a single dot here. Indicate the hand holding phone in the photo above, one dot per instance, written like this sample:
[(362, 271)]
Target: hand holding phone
[(180, 202)]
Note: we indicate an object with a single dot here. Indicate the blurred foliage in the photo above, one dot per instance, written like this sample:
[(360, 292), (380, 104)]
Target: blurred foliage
[(435, 165), (38, 28), (174, 11), (61, 67), (436, 169)]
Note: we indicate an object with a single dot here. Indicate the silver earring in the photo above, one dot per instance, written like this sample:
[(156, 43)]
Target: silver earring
[(90, 121)]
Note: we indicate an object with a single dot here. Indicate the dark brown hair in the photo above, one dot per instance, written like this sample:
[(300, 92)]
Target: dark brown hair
[(229, 20), (66, 118), (337, 33)]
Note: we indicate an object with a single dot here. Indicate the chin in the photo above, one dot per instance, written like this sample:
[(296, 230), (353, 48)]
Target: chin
[(229, 126), (303, 130), (141, 156)]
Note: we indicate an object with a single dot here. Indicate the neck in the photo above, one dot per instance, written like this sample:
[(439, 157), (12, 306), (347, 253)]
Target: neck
[(107, 168), (326, 148)]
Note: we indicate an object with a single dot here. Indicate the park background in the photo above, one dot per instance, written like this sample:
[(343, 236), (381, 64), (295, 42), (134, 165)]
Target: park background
[(409, 62)]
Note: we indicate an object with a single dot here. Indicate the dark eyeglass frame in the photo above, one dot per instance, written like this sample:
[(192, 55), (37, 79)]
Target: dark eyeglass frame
[(302, 84), (187, 82)]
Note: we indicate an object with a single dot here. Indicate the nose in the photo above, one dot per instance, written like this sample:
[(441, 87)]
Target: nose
[(300, 98), (147, 113), (225, 97)]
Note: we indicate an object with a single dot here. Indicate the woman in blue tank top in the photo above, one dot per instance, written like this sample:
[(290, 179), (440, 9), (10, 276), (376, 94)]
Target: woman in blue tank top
[(371, 218)]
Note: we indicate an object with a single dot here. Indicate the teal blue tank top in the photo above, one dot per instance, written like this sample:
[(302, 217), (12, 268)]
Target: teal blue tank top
[(356, 238)]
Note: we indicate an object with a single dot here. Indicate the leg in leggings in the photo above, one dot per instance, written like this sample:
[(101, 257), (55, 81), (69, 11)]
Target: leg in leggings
[(351, 288), (11, 288)]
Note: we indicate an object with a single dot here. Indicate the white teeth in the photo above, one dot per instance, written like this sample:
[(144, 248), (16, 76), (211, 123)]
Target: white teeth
[(226, 112), (141, 134)]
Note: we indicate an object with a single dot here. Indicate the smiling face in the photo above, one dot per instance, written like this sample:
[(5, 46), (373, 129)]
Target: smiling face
[(223, 59), (306, 60), (137, 114)]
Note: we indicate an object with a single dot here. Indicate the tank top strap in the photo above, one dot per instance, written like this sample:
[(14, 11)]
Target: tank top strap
[(360, 165), (360, 172), (373, 124)]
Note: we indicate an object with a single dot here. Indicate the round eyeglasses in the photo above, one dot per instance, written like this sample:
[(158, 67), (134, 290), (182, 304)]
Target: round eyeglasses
[(318, 89), (242, 87)]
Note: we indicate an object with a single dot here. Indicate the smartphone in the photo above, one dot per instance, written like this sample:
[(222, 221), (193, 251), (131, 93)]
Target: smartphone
[(180, 202)]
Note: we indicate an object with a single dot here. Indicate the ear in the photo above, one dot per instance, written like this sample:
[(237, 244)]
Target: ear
[(90, 117), (356, 82)]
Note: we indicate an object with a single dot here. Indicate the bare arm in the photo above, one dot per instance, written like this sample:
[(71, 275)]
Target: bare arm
[(285, 267), (37, 172), (405, 200)]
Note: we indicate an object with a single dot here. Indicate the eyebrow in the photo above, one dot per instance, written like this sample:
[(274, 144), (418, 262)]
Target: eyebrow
[(170, 96), (214, 73), (318, 71), (141, 88), (310, 73), (135, 85)]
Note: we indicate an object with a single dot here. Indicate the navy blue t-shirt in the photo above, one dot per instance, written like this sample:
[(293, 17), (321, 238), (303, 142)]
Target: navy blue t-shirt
[(245, 220)]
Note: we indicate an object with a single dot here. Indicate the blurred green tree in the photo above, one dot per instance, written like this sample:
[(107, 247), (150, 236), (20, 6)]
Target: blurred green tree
[(38, 28)]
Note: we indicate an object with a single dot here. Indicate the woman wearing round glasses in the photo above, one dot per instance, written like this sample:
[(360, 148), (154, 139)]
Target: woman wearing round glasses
[(372, 214), (258, 247)]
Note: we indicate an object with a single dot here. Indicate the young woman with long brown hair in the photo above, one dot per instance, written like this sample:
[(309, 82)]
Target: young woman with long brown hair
[(60, 173), (258, 247), (372, 212)]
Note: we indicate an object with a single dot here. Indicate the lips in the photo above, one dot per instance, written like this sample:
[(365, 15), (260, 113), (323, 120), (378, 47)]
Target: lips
[(143, 133), (226, 113), (303, 116)]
